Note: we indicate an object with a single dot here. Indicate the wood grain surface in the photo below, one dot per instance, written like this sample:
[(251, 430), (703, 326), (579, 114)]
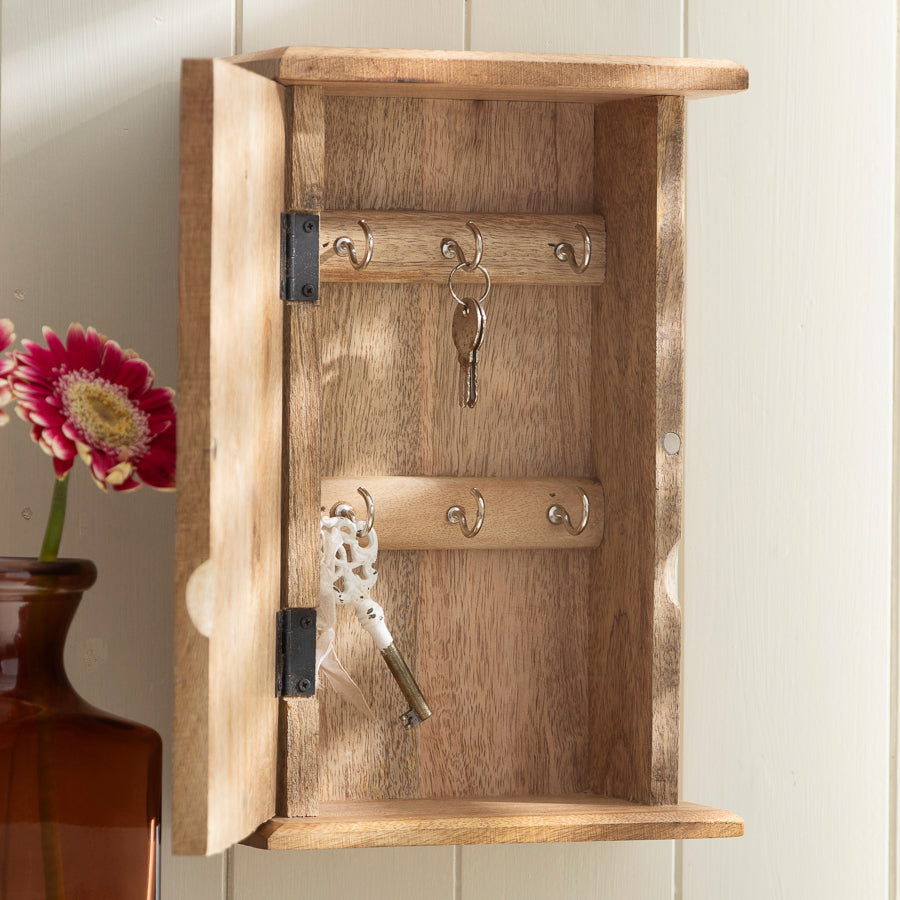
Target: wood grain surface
[(373, 375), (666, 672), (577, 381), (407, 247), (229, 455), (354, 406), (298, 783), (501, 76), (390, 374), (411, 513), (578, 817), (637, 400)]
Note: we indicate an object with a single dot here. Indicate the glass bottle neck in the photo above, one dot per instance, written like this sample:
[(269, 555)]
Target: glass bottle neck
[(32, 642)]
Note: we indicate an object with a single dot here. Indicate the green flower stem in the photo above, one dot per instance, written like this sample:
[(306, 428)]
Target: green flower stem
[(47, 789), (56, 520)]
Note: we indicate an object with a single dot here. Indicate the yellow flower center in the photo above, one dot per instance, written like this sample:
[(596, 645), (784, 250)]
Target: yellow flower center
[(105, 416)]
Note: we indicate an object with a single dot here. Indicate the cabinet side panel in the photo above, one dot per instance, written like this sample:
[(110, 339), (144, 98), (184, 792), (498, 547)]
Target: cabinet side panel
[(637, 342), (298, 729), (227, 605), (668, 450), (191, 749)]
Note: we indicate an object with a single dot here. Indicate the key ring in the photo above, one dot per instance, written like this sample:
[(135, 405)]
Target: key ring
[(469, 268)]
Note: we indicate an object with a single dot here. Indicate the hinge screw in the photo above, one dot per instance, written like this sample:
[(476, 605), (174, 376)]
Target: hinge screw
[(306, 622), (304, 685), (308, 225), (307, 290)]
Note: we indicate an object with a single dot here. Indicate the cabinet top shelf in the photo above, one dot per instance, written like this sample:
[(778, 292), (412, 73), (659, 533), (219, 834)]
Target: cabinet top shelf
[(496, 76)]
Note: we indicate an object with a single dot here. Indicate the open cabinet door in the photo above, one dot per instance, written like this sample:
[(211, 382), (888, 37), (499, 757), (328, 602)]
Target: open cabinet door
[(229, 455)]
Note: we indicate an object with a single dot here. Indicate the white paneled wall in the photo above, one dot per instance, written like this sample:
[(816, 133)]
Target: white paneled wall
[(88, 232), (788, 509), (787, 563), (638, 28)]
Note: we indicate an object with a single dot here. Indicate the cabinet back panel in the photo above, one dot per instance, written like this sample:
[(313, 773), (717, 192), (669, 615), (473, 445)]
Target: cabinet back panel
[(499, 640)]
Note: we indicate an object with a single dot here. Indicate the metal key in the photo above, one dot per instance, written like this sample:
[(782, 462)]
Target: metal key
[(468, 333), (419, 709)]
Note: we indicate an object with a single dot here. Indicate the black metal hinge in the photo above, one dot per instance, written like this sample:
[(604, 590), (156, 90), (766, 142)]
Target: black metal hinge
[(300, 257), (295, 652)]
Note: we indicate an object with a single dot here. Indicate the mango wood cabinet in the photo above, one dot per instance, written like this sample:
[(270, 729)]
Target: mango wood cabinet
[(551, 660)]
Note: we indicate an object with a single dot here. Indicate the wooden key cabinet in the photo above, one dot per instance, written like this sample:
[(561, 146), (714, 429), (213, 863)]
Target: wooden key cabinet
[(550, 659)]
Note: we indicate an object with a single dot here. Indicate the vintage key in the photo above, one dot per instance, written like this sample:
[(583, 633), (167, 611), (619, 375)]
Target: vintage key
[(468, 333), (419, 709)]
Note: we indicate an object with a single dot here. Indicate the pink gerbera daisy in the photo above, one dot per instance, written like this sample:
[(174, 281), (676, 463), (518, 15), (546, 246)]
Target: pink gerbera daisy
[(90, 398), (7, 364)]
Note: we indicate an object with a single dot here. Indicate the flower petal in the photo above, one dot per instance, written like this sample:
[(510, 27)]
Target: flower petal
[(35, 354), (157, 469), (112, 361), (7, 333), (135, 375), (93, 350), (76, 344), (62, 466), (127, 486), (84, 452), (56, 347), (119, 474)]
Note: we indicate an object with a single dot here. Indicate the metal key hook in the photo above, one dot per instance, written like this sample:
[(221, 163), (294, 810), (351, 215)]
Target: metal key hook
[(451, 250), (456, 515), (343, 246), (558, 515), (564, 251), (346, 510)]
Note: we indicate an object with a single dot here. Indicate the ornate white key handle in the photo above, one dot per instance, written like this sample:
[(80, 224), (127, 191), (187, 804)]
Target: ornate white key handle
[(348, 576)]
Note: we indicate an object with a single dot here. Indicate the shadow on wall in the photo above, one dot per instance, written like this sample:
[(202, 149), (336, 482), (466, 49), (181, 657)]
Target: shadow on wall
[(91, 229), (89, 219)]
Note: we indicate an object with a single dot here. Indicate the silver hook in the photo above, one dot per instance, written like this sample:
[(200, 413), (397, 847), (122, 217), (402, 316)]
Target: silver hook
[(456, 515), (566, 252), (346, 510), (343, 246), (558, 516), (451, 250)]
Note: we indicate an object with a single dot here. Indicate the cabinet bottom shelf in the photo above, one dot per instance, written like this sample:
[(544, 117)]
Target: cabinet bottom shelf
[(518, 820)]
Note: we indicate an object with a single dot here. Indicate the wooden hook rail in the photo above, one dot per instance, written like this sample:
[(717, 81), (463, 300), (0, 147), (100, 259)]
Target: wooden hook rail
[(411, 512), (519, 249)]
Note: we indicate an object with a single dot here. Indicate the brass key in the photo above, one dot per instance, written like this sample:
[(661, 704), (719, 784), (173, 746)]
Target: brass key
[(468, 333), (419, 708)]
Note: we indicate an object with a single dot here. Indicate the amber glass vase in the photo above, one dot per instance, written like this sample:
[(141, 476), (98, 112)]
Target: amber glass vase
[(79, 788)]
